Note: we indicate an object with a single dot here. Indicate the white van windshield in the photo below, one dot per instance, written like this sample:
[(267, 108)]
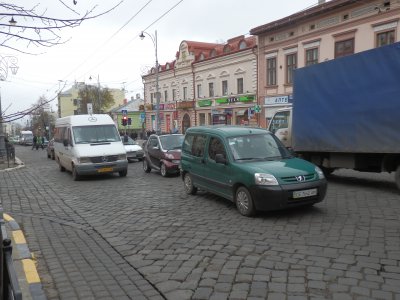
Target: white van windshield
[(95, 134), (260, 146)]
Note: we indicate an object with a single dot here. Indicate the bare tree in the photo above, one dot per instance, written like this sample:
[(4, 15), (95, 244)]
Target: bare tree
[(22, 27)]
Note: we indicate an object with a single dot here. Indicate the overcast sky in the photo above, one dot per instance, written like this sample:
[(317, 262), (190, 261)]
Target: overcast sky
[(100, 49)]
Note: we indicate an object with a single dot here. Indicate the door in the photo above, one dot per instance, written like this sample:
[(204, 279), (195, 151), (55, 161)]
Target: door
[(185, 123), (218, 174), (154, 151)]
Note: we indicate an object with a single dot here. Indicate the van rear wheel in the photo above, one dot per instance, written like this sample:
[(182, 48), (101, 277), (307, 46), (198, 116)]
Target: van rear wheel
[(163, 170), (244, 202), (188, 183)]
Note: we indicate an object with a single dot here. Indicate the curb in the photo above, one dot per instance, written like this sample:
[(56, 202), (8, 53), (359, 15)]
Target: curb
[(18, 163), (24, 263)]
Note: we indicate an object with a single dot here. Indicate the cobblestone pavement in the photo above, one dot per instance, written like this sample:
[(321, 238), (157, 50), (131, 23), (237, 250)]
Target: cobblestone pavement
[(142, 237)]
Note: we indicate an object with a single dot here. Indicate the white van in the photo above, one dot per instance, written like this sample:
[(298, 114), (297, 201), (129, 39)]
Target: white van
[(88, 145)]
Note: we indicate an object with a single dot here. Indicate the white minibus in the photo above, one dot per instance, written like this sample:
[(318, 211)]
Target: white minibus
[(88, 145)]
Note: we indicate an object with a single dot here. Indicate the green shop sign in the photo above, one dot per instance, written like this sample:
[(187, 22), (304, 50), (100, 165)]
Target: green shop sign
[(247, 98), (221, 100), (203, 103)]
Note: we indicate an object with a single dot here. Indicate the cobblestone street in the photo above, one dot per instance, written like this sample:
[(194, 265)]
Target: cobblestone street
[(142, 237)]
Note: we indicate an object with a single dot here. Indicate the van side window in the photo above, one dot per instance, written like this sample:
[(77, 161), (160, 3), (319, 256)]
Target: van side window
[(195, 144), (216, 147)]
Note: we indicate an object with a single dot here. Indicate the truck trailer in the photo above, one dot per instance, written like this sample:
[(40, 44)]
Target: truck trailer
[(346, 113)]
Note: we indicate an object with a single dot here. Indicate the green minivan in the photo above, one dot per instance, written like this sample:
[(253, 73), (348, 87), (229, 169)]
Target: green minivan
[(250, 167)]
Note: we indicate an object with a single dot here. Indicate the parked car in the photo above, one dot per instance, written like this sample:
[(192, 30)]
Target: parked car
[(133, 149), (163, 153), (50, 149), (250, 167)]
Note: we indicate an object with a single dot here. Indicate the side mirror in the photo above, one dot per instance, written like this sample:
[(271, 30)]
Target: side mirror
[(220, 159)]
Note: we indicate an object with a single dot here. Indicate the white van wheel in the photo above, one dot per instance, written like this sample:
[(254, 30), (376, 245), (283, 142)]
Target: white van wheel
[(75, 175), (62, 169), (244, 202), (188, 183)]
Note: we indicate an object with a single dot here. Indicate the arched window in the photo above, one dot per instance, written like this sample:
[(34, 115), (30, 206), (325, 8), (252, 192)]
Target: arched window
[(201, 57), (227, 49), (167, 67), (213, 53), (242, 45)]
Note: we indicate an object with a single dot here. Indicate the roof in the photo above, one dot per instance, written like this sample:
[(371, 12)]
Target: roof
[(228, 130), (303, 15), (94, 119)]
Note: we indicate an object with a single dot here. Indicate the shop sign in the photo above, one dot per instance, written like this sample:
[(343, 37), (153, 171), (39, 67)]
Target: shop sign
[(278, 100), (149, 106), (161, 106), (169, 106), (247, 98), (141, 107), (185, 104), (221, 100), (203, 103), (233, 99)]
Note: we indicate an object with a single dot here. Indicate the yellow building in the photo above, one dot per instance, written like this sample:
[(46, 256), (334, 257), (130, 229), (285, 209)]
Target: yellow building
[(69, 102)]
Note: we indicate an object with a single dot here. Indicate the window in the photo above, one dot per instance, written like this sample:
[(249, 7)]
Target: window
[(165, 96), (173, 94), (199, 93), (242, 45), (185, 93), (194, 145), (343, 48), (271, 71), (201, 57), (213, 53), (211, 89), (311, 56), (202, 119), (227, 49), (240, 85), (151, 98), (291, 64), (224, 87), (385, 38), (216, 147)]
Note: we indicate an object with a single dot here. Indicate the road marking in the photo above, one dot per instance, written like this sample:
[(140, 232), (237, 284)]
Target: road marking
[(18, 237), (30, 271)]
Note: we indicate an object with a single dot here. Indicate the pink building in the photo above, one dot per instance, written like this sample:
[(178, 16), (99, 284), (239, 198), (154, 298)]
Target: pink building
[(325, 31)]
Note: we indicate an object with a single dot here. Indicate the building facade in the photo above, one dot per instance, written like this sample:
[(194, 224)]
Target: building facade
[(323, 32), (206, 84), (69, 102)]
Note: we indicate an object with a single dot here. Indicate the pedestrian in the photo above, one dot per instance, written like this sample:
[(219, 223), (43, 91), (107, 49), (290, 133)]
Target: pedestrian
[(34, 142), (42, 144), (134, 135)]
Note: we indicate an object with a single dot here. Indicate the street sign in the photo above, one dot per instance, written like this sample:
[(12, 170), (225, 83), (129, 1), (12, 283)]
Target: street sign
[(124, 112), (257, 108), (90, 108)]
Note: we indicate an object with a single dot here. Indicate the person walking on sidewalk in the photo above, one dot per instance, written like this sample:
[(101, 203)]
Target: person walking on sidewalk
[(34, 142)]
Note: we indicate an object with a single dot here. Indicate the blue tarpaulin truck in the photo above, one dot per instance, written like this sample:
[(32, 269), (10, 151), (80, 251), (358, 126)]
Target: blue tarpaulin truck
[(346, 113)]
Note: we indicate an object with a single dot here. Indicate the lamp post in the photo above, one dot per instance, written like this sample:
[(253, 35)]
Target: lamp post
[(154, 40), (6, 63)]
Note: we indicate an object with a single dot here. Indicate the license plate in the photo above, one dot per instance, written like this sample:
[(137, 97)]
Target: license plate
[(305, 193), (102, 170)]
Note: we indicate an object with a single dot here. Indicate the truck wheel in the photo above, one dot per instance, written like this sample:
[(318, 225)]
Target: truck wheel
[(397, 177), (244, 202)]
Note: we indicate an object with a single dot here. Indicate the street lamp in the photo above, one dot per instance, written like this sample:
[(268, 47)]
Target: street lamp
[(154, 40), (6, 63)]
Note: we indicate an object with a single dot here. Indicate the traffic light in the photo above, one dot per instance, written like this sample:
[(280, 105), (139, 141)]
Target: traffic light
[(124, 120)]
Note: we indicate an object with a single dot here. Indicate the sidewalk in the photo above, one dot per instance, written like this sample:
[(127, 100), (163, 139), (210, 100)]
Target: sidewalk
[(24, 262)]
